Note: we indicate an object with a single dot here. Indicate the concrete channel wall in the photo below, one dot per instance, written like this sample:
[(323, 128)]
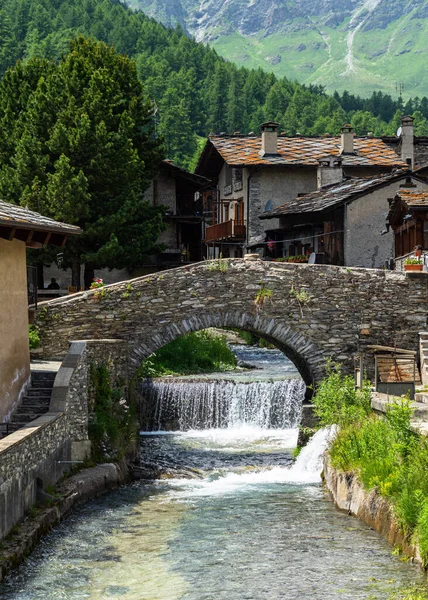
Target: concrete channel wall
[(39, 454)]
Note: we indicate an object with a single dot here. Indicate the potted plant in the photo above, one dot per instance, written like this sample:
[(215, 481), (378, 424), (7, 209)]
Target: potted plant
[(413, 264)]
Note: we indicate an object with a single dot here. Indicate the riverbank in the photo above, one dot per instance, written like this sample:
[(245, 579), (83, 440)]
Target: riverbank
[(370, 507), (77, 489)]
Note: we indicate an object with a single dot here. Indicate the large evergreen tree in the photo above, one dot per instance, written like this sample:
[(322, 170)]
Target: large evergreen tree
[(77, 144)]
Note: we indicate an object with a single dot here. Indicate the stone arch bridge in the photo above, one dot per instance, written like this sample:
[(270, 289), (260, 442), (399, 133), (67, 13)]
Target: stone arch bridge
[(311, 312)]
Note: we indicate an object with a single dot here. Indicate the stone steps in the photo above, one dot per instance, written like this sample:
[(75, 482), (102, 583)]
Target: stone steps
[(36, 400)]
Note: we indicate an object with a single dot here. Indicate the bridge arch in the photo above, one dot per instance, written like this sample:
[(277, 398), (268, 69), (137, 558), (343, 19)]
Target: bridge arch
[(302, 352)]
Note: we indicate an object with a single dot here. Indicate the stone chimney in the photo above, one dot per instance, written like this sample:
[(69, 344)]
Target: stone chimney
[(269, 139), (347, 141), (329, 171), (408, 141)]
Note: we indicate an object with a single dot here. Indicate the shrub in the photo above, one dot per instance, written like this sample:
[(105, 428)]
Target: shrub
[(201, 352), (337, 402), (34, 337), (112, 423)]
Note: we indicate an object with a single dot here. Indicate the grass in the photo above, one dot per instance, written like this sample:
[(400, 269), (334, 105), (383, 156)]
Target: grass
[(384, 451), (194, 353)]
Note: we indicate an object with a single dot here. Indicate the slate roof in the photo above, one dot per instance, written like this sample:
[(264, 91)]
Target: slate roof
[(244, 150), (333, 195), (12, 215), (413, 199)]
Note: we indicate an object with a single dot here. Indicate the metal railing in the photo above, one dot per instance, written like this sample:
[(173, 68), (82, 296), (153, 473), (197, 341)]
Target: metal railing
[(224, 231)]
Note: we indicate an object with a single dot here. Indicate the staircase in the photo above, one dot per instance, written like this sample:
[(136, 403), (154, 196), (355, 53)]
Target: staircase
[(36, 401)]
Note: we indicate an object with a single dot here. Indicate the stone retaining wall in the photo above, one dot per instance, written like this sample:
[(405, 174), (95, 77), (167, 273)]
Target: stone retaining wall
[(315, 311), (40, 453), (349, 495)]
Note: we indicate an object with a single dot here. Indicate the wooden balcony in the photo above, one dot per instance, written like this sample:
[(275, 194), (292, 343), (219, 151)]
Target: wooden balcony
[(229, 230)]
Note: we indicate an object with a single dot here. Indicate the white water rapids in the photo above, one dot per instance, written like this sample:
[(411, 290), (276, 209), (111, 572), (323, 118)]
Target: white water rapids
[(306, 470)]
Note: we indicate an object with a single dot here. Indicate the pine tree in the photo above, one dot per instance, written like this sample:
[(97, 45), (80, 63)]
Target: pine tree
[(84, 152)]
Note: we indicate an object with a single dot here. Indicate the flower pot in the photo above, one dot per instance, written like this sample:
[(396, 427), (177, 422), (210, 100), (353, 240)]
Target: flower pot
[(413, 267)]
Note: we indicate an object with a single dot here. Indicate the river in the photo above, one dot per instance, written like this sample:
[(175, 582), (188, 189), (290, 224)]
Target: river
[(246, 522)]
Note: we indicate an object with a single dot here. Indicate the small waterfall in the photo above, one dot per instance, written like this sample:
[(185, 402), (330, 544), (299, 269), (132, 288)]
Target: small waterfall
[(309, 463), (185, 405)]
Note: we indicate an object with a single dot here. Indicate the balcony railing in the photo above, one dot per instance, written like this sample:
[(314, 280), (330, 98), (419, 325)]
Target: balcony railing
[(225, 231)]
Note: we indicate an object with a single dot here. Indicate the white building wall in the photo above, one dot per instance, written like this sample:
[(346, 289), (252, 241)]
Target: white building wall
[(365, 219)]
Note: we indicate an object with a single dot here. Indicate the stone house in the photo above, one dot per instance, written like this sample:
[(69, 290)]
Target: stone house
[(19, 229), (256, 174), (343, 223), (181, 192)]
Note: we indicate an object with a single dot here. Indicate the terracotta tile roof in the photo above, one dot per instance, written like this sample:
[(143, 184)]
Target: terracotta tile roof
[(332, 195), (12, 215), (413, 199), (244, 150)]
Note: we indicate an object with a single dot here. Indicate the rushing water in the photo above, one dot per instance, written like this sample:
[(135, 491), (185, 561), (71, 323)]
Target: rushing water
[(248, 523)]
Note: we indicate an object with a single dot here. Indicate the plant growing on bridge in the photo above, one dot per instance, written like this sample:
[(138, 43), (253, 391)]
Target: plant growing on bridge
[(262, 296), (301, 296), (218, 264)]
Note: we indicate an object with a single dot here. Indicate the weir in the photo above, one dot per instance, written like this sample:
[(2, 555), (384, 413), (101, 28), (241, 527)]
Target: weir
[(184, 405)]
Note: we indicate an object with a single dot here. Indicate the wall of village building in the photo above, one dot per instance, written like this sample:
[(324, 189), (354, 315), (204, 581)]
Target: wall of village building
[(14, 347), (162, 192), (365, 219), (272, 187)]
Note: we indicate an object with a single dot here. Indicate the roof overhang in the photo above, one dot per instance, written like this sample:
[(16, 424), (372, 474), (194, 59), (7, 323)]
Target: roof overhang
[(33, 236)]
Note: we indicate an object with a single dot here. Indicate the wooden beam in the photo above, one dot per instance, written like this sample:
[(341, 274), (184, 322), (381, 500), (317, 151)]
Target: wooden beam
[(12, 233), (47, 238), (64, 241)]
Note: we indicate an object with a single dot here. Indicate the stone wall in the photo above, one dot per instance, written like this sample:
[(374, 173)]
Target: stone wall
[(40, 453), (369, 506), (346, 310)]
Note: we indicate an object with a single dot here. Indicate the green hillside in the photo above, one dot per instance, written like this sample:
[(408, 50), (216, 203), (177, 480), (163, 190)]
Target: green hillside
[(195, 90), (358, 45)]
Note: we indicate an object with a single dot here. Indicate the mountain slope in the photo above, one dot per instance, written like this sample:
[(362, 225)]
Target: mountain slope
[(358, 45)]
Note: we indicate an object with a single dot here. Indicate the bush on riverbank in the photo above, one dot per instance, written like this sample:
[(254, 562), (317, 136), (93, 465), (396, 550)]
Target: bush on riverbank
[(383, 450), (194, 353), (337, 402), (113, 426)]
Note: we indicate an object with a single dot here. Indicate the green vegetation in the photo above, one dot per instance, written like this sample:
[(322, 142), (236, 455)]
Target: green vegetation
[(263, 295), (389, 48), (113, 426), (200, 352), (218, 264), (338, 402), (34, 337), (415, 593), (384, 451), (413, 261), (195, 90), (77, 144)]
